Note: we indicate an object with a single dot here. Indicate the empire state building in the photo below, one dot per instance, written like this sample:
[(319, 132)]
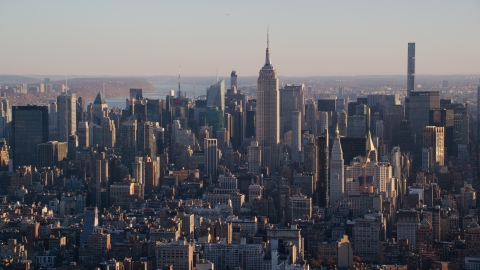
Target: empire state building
[(268, 113)]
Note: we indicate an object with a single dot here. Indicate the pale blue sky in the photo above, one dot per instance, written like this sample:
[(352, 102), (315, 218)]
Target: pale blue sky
[(306, 37)]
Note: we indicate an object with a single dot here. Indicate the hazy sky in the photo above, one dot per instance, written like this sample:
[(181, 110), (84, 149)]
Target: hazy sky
[(307, 38)]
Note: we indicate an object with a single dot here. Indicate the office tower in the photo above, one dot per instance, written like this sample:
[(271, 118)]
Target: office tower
[(267, 126), (49, 154), (29, 128), (356, 126), (109, 133), (138, 173), (146, 143), (66, 116), (83, 134), (128, 141), (291, 99), (177, 254), (90, 221), (151, 172), (136, 94), (99, 109), (299, 207), (327, 104), (102, 182), (411, 68), (211, 158), (322, 168), (80, 109), (311, 116), (4, 117), (433, 140), (72, 147), (52, 122), (342, 123), (310, 152), (296, 135), (4, 156), (337, 188), (393, 117), (254, 158), (216, 95), (233, 82), (222, 140), (352, 147), (420, 105), (214, 118)]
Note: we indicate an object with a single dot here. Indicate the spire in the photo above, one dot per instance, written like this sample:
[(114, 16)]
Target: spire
[(100, 99), (179, 93), (337, 132), (267, 58)]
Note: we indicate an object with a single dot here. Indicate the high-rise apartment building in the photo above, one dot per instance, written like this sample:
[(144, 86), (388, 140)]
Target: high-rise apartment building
[(267, 118), (29, 128), (66, 116), (411, 69)]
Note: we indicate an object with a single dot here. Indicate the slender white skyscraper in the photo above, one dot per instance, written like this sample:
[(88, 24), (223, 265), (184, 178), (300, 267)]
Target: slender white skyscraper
[(296, 135), (268, 113), (336, 172)]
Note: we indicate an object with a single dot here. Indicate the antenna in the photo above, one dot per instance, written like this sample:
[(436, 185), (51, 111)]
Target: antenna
[(103, 90), (268, 41), (179, 92)]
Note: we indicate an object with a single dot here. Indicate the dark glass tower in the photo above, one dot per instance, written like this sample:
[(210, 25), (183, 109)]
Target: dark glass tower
[(29, 128)]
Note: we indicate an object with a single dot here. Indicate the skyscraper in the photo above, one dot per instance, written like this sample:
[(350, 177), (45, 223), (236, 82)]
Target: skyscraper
[(291, 99), (211, 158), (233, 82), (128, 141), (99, 109), (420, 104), (66, 116), (90, 221), (296, 135), (50, 153), (411, 68), (268, 113), (337, 187), (29, 128), (216, 95)]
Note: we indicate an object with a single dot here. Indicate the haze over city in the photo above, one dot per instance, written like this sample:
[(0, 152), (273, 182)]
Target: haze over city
[(308, 38)]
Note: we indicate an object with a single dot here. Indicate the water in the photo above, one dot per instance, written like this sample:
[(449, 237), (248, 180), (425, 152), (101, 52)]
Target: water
[(162, 90)]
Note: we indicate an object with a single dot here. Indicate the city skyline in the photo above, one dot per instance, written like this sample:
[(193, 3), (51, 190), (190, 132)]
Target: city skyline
[(308, 39)]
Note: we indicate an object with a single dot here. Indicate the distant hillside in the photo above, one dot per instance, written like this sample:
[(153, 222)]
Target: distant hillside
[(16, 79)]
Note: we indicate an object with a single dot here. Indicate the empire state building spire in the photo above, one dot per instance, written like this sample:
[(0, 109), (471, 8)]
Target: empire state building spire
[(267, 58)]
